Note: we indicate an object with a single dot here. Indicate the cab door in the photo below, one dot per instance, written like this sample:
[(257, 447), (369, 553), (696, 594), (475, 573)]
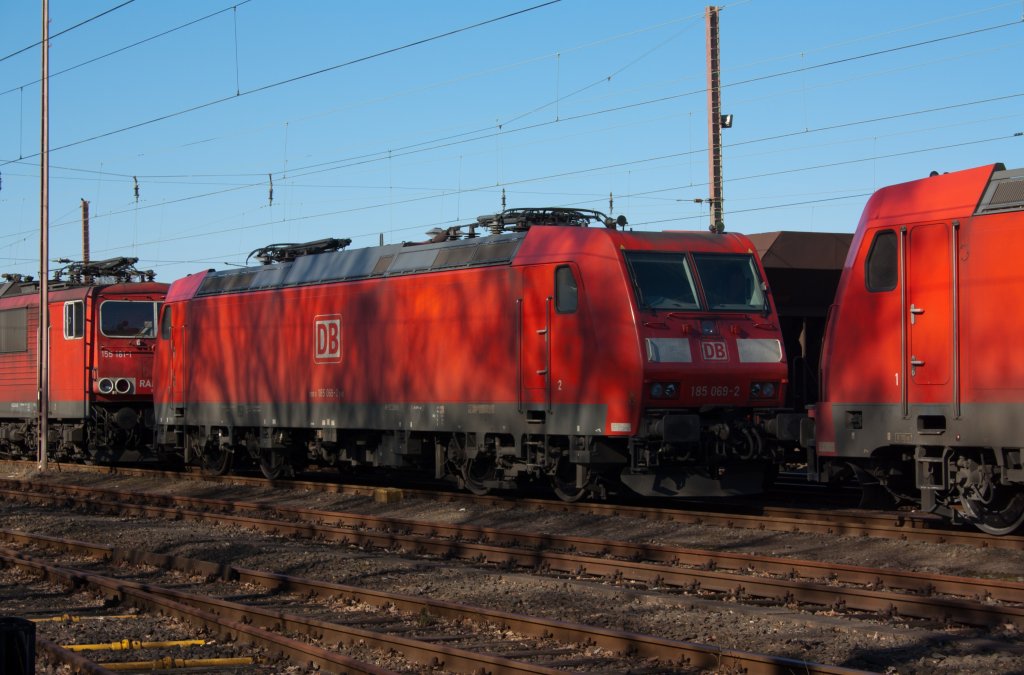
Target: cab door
[(70, 372), (928, 317), (552, 345), (535, 308), (170, 371), (568, 347)]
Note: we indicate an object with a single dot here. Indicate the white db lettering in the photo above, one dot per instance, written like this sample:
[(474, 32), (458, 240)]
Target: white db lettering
[(327, 330)]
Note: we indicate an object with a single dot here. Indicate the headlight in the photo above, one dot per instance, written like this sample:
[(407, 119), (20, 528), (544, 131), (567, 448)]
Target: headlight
[(663, 390), (763, 390)]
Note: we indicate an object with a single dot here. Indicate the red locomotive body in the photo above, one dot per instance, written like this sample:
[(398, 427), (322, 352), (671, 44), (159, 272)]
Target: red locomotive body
[(102, 337), (922, 381), (547, 350)]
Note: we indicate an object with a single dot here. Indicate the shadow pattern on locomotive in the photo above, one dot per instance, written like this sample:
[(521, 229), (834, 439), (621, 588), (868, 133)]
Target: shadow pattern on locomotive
[(555, 346)]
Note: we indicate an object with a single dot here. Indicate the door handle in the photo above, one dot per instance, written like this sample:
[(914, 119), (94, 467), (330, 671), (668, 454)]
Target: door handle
[(914, 311), (914, 364)]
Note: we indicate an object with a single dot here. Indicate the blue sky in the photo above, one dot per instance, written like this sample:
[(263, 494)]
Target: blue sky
[(365, 133)]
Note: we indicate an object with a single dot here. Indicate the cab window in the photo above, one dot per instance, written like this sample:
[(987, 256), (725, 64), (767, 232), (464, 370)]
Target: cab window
[(731, 282), (128, 319), (662, 280), (881, 269), (567, 294)]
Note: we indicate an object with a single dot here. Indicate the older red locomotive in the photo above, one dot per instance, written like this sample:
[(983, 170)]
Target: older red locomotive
[(921, 380), (102, 335), (550, 349)]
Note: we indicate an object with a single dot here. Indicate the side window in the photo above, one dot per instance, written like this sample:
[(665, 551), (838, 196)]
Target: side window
[(567, 294), (881, 270), (165, 323), (13, 330), (74, 319)]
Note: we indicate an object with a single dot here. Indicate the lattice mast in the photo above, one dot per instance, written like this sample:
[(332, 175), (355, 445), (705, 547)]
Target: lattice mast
[(714, 121)]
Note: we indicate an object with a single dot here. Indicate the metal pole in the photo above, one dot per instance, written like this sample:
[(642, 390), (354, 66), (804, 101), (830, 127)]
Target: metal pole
[(43, 352), (85, 233), (714, 122), (85, 240)]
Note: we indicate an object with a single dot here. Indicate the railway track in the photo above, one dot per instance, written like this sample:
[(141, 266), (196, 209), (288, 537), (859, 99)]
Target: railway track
[(78, 629), (900, 525), (324, 617), (812, 584)]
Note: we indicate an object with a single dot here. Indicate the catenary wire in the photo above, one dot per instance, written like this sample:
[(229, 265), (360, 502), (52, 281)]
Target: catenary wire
[(696, 151), (436, 37), (435, 85), (304, 76), (583, 171), (131, 46), (797, 133), (67, 30), (567, 51)]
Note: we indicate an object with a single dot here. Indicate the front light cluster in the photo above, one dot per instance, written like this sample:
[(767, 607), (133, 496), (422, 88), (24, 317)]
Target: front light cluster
[(763, 390), (665, 390), (118, 385)]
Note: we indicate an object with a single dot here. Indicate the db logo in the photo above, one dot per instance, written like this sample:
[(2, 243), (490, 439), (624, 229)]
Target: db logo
[(327, 328), (714, 350)]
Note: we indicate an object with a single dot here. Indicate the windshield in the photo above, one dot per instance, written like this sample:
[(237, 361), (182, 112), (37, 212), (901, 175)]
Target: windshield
[(731, 282), (123, 318), (662, 280)]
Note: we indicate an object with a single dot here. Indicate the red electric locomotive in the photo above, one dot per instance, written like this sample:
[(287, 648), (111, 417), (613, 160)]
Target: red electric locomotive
[(102, 334), (922, 383), (550, 349)]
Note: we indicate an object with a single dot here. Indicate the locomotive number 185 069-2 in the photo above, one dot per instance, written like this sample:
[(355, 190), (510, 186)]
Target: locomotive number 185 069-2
[(714, 391)]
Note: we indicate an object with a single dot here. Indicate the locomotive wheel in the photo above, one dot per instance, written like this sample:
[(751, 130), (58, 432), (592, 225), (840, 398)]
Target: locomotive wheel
[(477, 470), (215, 461), (563, 482), (1003, 514), (273, 464)]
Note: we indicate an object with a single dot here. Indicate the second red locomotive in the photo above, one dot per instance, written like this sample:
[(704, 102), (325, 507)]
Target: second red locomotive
[(921, 381), (550, 349)]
